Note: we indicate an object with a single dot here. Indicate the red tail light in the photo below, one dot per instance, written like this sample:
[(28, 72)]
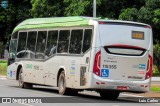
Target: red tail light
[(148, 27), (149, 68), (96, 67)]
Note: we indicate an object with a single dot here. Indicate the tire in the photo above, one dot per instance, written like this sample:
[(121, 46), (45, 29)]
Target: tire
[(62, 85), (110, 95), (73, 92), (21, 82), (20, 79)]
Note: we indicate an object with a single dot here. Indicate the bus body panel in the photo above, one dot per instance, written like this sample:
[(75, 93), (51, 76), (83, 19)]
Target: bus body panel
[(121, 34), (12, 71), (51, 68)]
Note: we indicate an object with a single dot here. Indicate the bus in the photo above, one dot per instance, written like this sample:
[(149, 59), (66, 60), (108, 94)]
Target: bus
[(82, 53)]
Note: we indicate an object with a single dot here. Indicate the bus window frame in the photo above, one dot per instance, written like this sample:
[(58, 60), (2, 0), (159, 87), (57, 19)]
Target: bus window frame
[(58, 29)]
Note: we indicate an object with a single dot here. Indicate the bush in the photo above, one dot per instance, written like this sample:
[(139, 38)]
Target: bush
[(156, 57), (3, 68), (155, 71), (3, 61)]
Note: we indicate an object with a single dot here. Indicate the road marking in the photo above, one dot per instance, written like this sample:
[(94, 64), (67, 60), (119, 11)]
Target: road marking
[(3, 78), (132, 95), (25, 104)]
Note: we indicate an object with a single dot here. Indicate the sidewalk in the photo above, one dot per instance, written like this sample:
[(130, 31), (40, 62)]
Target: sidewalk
[(1, 76), (155, 79)]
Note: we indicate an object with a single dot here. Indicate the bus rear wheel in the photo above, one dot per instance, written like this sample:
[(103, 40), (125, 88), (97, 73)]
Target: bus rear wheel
[(111, 95), (63, 90), (23, 84)]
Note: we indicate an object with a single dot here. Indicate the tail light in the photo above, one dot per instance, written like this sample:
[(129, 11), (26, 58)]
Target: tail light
[(96, 67), (149, 68)]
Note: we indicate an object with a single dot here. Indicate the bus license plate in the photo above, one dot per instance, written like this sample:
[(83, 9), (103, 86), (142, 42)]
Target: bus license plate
[(122, 87)]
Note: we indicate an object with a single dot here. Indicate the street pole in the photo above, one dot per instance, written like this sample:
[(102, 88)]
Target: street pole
[(94, 8)]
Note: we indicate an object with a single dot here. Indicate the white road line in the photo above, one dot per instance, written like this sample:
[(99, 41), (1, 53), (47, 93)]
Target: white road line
[(3, 78), (25, 104), (132, 95)]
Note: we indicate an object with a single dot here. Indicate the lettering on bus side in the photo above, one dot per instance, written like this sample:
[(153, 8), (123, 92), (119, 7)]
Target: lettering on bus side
[(29, 66), (110, 66), (36, 67)]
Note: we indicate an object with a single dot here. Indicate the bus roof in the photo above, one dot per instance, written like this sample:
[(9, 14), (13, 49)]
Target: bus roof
[(52, 22)]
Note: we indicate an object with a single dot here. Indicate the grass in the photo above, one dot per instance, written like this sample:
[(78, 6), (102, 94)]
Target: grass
[(155, 72), (155, 89), (3, 67)]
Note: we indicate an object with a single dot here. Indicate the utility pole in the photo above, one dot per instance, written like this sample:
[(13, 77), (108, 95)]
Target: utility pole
[(94, 8)]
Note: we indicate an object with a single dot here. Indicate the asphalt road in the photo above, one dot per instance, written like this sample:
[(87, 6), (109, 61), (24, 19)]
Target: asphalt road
[(10, 89)]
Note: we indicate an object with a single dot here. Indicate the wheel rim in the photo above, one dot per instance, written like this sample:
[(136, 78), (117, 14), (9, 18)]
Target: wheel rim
[(20, 79), (61, 84)]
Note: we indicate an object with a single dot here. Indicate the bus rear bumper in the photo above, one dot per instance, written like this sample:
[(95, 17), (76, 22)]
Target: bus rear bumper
[(121, 85)]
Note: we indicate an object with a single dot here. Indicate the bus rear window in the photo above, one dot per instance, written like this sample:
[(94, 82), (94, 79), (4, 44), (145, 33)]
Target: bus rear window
[(131, 51)]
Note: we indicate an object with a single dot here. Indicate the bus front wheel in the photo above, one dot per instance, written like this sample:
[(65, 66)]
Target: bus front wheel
[(112, 95), (62, 84), (23, 84)]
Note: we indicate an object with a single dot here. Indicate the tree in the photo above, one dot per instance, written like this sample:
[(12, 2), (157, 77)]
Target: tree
[(113, 8), (156, 55), (76, 7), (47, 8), (129, 14), (17, 11)]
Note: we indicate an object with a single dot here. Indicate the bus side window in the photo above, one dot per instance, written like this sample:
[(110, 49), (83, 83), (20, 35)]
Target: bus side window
[(31, 43), (76, 41), (22, 45), (13, 46), (40, 47), (63, 41), (87, 40), (51, 47)]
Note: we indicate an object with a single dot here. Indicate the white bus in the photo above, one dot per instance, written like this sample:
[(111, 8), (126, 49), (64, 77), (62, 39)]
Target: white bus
[(81, 53)]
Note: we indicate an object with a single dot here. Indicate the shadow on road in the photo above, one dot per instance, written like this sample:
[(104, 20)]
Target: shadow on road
[(80, 98)]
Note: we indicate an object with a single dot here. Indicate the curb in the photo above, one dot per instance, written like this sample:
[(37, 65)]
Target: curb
[(156, 79), (1, 76)]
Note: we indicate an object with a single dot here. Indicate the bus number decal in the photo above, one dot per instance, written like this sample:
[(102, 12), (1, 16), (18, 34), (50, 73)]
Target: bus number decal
[(110, 66), (36, 67)]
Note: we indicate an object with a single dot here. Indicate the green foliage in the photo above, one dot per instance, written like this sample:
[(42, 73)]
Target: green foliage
[(153, 4), (75, 7), (144, 15), (156, 19), (155, 71), (47, 8), (3, 61), (155, 88), (129, 14), (156, 57), (156, 49), (3, 68)]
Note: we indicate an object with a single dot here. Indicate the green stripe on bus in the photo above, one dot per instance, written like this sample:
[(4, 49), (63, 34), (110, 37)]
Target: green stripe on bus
[(52, 22)]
